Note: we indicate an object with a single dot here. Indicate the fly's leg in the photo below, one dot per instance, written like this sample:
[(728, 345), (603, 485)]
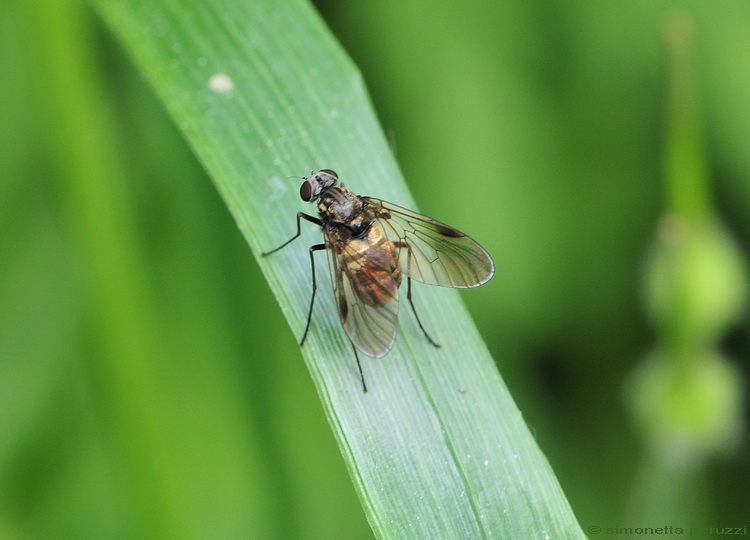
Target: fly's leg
[(300, 215), (419, 322), (359, 366), (408, 292), (313, 249)]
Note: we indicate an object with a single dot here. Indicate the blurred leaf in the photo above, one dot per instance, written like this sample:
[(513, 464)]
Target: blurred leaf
[(142, 419)]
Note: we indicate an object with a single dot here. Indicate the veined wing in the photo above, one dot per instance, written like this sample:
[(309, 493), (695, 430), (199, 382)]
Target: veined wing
[(366, 290), (432, 252)]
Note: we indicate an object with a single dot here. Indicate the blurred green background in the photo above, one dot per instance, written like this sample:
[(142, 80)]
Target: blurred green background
[(540, 128)]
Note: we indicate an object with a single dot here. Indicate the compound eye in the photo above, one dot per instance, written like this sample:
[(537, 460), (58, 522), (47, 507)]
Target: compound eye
[(306, 191), (329, 172)]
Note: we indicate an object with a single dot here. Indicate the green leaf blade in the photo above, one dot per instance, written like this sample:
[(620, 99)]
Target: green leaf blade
[(436, 448)]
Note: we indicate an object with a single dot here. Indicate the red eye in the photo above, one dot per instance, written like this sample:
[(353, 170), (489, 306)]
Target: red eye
[(306, 191), (330, 172)]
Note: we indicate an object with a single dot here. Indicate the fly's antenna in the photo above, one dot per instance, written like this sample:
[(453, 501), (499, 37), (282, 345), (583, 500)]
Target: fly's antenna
[(313, 160)]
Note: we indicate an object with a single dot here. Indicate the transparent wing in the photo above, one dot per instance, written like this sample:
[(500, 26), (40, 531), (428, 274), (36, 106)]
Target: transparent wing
[(432, 252), (366, 295)]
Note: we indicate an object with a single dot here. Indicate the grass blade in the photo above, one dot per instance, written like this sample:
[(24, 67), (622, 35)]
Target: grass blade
[(263, 92)]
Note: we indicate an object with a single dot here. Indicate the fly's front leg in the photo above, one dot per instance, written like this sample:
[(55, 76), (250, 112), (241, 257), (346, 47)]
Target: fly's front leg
[(300, 215), (313, 249), (406, 246)]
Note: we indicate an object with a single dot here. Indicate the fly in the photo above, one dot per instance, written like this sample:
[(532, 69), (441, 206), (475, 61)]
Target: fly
[(371, 245)]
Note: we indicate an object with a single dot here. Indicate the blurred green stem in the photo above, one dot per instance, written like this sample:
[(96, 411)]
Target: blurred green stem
[(688, 192), (685, 395)]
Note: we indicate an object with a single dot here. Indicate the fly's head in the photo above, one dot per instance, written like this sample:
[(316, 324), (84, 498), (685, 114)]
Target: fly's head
[(317, 183)]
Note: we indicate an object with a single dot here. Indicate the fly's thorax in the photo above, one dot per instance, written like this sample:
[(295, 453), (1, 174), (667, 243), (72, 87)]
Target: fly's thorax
[(340, 207)]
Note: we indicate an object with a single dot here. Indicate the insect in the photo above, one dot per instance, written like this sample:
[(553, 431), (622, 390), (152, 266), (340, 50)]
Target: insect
[(371, 245)]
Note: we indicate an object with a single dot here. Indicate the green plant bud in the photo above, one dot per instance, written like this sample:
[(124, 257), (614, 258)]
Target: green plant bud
[(688, 412), (696, 283)]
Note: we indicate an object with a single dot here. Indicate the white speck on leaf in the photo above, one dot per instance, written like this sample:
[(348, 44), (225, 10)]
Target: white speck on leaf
[(221, 83)]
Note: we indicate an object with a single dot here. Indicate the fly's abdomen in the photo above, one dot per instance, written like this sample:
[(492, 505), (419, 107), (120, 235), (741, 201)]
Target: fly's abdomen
[(373, 266)]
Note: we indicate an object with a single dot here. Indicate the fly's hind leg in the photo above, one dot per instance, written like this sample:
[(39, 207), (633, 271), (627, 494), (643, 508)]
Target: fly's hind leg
[(416, 315), (408, 292), (359, 366)]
